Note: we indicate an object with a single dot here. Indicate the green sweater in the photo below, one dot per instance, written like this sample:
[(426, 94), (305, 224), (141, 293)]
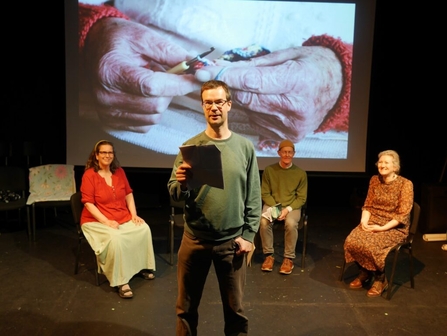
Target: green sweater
[(285, 186), (215, 214)]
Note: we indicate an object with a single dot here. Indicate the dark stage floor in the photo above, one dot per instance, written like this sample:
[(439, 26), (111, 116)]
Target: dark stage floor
[(40, 295)]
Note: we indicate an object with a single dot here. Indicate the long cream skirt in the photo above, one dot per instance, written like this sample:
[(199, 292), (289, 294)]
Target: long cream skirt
[(122, 252)]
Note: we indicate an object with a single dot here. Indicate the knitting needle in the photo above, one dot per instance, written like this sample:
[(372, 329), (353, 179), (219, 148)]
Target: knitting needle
[(183, 66)]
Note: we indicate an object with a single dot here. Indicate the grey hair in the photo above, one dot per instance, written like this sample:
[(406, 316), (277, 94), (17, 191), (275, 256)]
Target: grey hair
[(395, 157)]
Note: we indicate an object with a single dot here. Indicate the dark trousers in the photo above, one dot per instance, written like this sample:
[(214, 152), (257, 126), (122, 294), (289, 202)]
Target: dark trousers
[(194, 261)]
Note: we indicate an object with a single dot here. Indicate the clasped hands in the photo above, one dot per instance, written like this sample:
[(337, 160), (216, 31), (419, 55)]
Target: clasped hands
[(282, 216), (372, 228), (288, 93)]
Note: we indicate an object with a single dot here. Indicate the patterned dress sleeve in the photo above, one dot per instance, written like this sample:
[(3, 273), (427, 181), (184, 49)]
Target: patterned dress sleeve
[(370, 194), (405, 203)]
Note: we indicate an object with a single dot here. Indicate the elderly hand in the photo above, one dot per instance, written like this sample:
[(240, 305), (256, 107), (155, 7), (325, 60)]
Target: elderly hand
[(373, 228), (289, 91), (125, 65), (365, 226)]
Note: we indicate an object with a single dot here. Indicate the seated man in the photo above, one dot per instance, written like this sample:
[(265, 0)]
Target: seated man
[(284, 192)]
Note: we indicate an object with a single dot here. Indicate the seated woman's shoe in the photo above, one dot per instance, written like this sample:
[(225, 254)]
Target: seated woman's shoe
[(358, 282), (148, 275), (377, 288), (125, 291)]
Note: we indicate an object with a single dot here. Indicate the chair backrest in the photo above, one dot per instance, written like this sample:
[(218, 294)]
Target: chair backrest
[(13, 179), (13, 184), (53, 182), (177, 209), (33, 152), (177, 206), (76, 207), (414, 219), (5, 151)]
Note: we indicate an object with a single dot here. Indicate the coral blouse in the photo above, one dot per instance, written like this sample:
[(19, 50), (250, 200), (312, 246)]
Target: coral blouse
[(110, 200)]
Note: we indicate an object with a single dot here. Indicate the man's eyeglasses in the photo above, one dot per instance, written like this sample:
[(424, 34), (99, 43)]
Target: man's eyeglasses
[(288, 153), (209, 103), (106, 153)]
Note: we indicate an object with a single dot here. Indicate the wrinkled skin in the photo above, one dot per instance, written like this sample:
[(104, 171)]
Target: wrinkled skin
[(289, 91), (126, 62)]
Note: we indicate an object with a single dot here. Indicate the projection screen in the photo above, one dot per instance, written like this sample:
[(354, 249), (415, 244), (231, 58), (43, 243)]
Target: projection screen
[(298, 70)]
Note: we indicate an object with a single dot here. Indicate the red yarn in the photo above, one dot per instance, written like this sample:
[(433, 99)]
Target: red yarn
[(338, 117), (90, 14)]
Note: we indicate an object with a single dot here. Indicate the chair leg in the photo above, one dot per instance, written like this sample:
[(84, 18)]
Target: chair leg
[(393, 270), (171, 243), (34, 221), (342, 271), (78, 253), (96, 270), (303, 256), (30, 233), (410, 255)]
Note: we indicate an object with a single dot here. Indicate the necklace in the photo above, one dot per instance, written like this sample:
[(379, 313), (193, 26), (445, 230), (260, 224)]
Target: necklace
[(391, 179)]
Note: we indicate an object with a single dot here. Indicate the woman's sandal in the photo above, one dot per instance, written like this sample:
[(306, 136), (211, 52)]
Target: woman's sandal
[(148, 275), (124, 293)]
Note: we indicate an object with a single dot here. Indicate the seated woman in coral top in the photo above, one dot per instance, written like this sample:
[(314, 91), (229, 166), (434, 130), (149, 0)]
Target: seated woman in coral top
[(121, 240)]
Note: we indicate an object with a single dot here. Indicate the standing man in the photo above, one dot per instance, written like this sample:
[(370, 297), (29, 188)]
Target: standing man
[(220, 224), (284, 187)]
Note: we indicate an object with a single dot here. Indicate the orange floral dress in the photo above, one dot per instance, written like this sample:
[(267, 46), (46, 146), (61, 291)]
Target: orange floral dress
[(385, 201)]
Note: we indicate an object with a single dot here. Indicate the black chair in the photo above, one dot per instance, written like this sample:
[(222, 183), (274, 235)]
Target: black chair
[(406, 245), (175, 221), (5, 152), (13, 186), (33, 153), (302, 225), (76, 208)]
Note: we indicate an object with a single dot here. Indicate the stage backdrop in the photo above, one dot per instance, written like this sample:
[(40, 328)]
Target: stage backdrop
[(297, 70)]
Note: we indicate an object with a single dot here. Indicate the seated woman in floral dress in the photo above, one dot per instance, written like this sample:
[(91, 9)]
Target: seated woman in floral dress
[(384, 222)]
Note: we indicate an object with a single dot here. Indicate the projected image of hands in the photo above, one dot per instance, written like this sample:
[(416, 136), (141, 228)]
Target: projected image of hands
[(288, 65), (124, 62)]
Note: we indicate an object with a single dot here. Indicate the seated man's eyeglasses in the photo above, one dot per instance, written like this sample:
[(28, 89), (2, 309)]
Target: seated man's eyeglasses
[(287, 153), (106, 153), (219, 103)]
